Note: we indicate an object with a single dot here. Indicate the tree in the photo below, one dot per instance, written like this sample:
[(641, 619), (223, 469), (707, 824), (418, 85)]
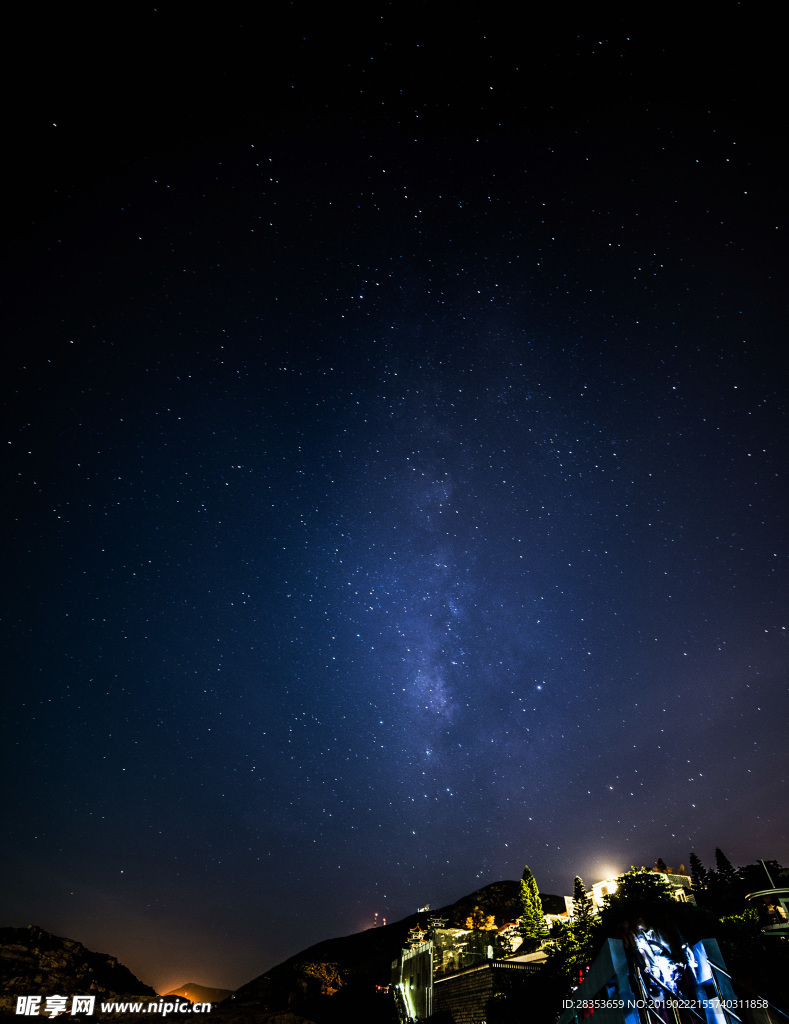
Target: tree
[(723, 894), (698, 876), (639, 893), (583, 908), (532, 920), (478, 920), (763, 875), (328, 975), (570, 955), (642, 884), (726, 871)]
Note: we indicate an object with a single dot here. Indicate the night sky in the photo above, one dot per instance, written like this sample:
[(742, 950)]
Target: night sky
[(394, 409)]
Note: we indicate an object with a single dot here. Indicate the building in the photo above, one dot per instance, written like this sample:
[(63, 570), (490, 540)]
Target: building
[(412, 981), (772, 906), (681, 886), (455, 970), (465, 996)]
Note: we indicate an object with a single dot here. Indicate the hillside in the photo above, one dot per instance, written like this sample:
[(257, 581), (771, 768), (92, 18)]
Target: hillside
[(200, 993), (334, 980), (35, 962), (349, 968)]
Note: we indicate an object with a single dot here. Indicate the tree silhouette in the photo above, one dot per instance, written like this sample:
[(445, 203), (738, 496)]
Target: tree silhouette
[(723, 894), (639, 893), (698, 877), (726, 870)]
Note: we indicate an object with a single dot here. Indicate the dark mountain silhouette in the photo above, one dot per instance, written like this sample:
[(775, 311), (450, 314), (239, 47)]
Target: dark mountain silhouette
[(337, 979), (35, 962), (200, 993)]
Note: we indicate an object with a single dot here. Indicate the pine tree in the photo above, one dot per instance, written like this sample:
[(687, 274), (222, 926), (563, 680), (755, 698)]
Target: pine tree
[(573, 949), (726, 870), (583, 908), (698, 875), (532, 921), (723, 894)]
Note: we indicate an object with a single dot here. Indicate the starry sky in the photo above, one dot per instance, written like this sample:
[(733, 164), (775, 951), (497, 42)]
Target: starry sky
[(395, 442)]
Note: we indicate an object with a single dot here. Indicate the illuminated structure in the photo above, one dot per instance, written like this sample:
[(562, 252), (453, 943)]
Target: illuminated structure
[(772, 906), (628, 986), (412, 980), (449, 968), (421, 991), (457, 971), (680, 885)]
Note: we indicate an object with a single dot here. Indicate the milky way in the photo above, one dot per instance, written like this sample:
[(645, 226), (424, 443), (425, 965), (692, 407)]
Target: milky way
[(396, 451)]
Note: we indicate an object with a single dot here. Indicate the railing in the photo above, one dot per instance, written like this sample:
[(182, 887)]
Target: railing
[(769, 1006)]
